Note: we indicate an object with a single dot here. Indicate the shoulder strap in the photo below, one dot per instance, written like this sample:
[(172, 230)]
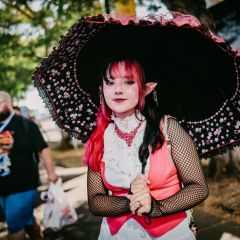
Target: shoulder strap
[(164, 127)]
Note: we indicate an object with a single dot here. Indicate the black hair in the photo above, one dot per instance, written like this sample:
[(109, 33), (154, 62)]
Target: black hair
[(153, 136)]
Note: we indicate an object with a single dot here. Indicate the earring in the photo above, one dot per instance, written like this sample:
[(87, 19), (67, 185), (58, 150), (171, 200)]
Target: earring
[(155, 96)]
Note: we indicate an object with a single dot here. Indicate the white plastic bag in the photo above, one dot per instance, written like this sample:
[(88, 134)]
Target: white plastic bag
[(57, 211)]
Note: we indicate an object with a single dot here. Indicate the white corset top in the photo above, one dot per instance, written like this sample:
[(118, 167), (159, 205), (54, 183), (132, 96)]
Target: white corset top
[(122, 162)]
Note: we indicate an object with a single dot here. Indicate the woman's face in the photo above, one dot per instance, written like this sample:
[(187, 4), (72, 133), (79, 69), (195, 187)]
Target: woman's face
[(121, 95)]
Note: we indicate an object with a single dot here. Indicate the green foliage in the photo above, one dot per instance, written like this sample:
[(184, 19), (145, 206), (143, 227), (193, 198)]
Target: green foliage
[(28, 31)]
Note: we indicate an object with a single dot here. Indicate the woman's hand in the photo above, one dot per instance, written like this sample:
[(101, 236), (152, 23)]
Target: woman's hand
[(140, 200), (139, 183)]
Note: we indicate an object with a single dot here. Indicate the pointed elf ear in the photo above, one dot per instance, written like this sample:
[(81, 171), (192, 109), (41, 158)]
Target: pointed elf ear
[(149, 88)]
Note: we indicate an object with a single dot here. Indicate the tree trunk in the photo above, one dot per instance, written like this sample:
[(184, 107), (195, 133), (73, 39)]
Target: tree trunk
[(196, 8)]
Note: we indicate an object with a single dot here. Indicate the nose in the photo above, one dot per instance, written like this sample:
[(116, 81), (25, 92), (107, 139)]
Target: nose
[(118, 89), (118, 93)]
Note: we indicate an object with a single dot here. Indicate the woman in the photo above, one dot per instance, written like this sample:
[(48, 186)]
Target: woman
[(140, 186)]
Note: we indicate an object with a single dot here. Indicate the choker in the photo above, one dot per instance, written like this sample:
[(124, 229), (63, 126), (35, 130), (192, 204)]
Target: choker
[(127, 137)]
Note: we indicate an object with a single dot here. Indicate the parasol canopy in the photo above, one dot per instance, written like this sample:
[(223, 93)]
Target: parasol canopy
[(197, 74)]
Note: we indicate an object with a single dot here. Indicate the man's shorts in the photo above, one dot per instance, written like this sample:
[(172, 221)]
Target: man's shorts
[(18, 209)]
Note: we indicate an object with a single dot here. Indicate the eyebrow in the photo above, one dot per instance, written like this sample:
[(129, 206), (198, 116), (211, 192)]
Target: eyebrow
[(110, 78)]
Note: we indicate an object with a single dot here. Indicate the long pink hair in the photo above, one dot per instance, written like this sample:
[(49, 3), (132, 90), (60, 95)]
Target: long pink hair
[(95, 144)]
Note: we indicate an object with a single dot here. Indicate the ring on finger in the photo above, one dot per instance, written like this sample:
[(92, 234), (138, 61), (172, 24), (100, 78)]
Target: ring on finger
[(139, 204)]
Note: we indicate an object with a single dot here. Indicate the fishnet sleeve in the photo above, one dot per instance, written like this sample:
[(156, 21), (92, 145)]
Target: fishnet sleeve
[(190, 171), (99, 200)]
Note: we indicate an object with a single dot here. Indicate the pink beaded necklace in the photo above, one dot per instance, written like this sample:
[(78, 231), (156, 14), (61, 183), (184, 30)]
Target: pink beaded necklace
[(127, 137)]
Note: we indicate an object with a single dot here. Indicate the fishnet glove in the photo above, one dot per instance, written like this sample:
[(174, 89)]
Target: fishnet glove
[(190, 171), (100, 202)]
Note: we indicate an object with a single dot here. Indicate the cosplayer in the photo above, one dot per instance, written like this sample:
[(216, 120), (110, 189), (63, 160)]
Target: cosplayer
[(129, 139), (144, 169)]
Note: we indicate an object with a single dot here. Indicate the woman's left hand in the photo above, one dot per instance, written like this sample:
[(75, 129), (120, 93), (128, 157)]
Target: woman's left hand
[(140, 202)]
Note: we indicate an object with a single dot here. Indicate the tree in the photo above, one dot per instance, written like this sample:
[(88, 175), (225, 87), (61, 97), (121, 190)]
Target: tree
[(28, 30)]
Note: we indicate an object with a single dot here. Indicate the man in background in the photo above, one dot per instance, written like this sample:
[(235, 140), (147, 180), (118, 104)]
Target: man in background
[(20, 140)]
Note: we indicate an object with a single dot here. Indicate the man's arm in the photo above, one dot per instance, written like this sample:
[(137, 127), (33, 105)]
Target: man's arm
[(45, 155)]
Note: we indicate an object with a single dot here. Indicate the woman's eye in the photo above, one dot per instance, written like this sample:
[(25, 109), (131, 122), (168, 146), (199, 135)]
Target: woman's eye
[(130, 82), (109, 83)]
